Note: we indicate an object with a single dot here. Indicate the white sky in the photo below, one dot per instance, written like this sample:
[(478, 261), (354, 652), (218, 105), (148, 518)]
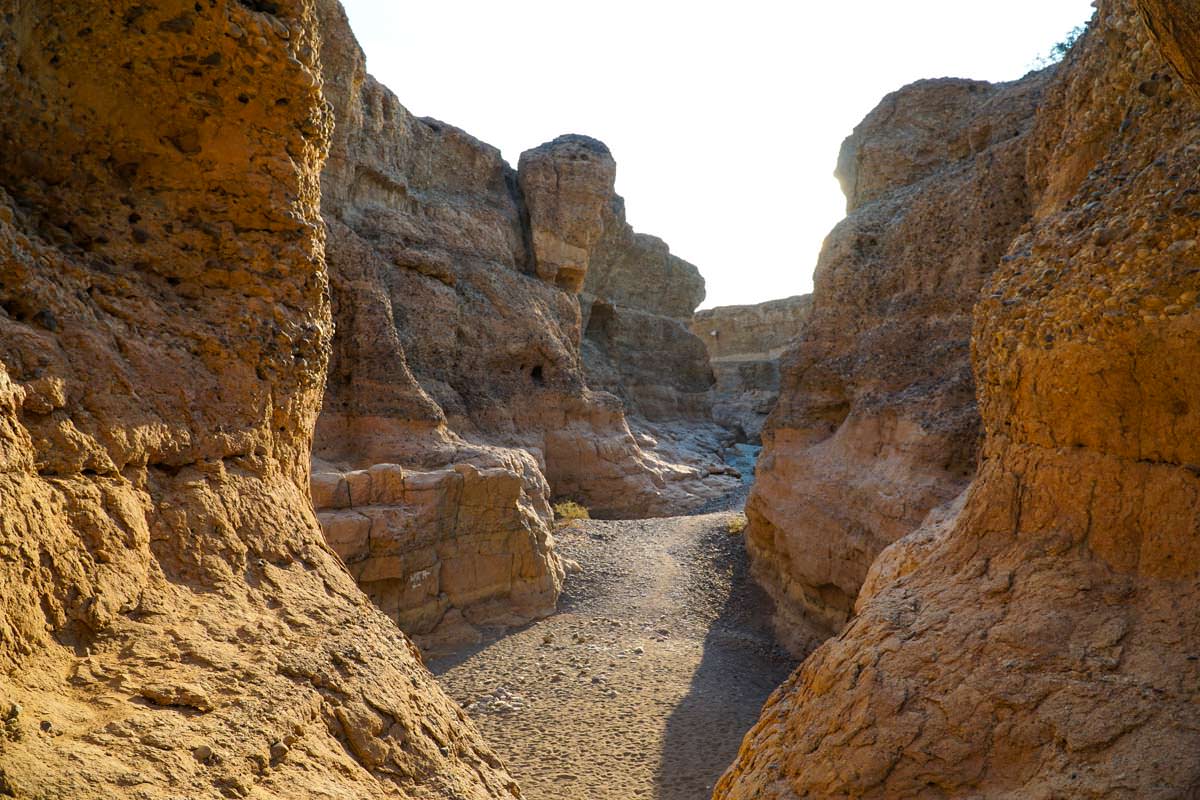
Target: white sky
[(725, 118)]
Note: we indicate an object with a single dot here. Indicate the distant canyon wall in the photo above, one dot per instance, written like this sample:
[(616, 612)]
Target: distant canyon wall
[(745, 344), (1037, 637)]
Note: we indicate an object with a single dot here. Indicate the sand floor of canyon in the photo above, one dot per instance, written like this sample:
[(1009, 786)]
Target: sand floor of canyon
[(644, 683)]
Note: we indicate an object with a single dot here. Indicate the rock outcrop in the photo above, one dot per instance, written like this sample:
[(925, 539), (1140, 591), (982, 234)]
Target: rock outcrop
[(566, 185), (1038, 638), (172, 623), (456, 376), (744, 345), (637, 301), (876, 422)]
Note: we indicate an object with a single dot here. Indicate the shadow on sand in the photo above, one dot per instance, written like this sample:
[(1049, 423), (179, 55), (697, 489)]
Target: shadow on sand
[(740, 667)]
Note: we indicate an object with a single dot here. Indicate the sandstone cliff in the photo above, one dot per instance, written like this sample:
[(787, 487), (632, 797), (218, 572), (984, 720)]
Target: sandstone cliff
[(457, 403), (172, 623), (876, 422), (637, 303), (744, 346), (1038, 638)]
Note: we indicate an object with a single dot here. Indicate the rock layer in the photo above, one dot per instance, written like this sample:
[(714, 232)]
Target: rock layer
[(1039, 640), (876, 422), (637, 301), (744, 346), (457, 362), (172, 622)]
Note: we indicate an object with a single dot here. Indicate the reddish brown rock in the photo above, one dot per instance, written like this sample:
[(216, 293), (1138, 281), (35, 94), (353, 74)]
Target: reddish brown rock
[(744, 346), (172, 623), (1040, 640)]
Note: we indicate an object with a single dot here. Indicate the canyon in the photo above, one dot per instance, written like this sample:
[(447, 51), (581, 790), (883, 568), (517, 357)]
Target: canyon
[(292, 382)]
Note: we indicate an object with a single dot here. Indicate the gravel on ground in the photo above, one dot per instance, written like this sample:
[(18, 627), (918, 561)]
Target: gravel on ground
[(645, 681)]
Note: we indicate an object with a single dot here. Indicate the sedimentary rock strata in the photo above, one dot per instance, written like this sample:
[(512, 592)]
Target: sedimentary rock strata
[(456, 362), (172, 623), (566, 185), (1040, 639), (637, 301), (744, 346), (876, 422)]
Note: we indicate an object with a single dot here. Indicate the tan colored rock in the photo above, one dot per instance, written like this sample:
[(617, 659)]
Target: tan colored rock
[(449, 348), (1041, 642), (744, 346), (876, 422), (566, 185), (168, 604), (636, 304)]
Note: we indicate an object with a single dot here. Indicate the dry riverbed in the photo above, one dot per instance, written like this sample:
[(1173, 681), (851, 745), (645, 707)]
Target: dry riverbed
[(644, 683)]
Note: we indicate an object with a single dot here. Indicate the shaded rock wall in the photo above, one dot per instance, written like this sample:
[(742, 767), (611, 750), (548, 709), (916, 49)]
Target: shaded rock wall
[(172, 622), (457, 354), (744, 346), (876, 422), (636, 303), (1038, 639)]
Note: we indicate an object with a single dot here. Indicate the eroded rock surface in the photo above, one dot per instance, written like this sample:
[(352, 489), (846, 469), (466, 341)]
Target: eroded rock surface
[(457, 360), (172, 623), (1041, 641), (566, 185), (744, 346), (876, 422)]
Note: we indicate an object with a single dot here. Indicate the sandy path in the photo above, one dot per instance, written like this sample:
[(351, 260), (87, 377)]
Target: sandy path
[(644, 683)]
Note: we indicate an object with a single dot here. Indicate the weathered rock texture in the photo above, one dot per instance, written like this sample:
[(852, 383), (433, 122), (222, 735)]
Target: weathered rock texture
[(172, 623), (566, 185), (1041, 640), (637, 302), (876, 422), (744, 345), (456, 362)]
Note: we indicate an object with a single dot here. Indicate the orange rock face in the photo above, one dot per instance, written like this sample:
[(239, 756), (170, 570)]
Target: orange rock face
[(876, 422), (172, 623), (1038, 639), (459, 331)]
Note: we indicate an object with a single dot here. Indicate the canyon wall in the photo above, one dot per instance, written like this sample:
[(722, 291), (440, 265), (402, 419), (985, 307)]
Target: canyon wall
[(172, 622), (1038, 637), (876, 422), (637, 301), (457, 403), (744, 345)]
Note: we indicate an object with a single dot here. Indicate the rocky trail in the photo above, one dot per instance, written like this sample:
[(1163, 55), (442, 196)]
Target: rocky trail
[(645, 681)]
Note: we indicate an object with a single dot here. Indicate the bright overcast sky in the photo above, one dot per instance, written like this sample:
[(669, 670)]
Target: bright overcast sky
[(725, 119)]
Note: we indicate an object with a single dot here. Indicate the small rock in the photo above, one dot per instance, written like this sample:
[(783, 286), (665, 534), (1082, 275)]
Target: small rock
[(202, 753), (279, 751)]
